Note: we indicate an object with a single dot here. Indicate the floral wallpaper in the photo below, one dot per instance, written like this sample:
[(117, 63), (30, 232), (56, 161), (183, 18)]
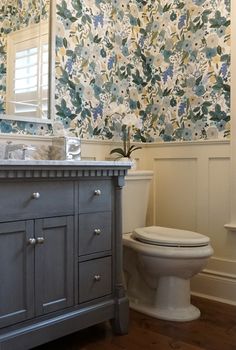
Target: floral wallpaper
[(15, 15), (165, 61)]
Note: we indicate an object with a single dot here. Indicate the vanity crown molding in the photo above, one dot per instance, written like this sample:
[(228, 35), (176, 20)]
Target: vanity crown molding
[(50, 169)]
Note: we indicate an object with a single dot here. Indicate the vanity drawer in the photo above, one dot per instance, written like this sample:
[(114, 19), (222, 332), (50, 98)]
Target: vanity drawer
[(35, 199), (94, 279), (95, 196), (94, 232)]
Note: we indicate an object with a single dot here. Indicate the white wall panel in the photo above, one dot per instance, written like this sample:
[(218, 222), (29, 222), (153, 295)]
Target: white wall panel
[(219, 207), (176, 185)]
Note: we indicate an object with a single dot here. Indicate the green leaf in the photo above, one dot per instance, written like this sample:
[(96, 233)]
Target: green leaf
[(65, 42), (225, 58), (166, 7), (219, 50), (96, 39), (180, 5), (70, 53), (198, 80), (119, 151), (204, 109), (226, 87)]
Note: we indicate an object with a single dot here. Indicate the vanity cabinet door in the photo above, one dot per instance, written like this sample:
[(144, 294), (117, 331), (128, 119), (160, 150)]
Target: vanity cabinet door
[(16, 272), (54, 262)]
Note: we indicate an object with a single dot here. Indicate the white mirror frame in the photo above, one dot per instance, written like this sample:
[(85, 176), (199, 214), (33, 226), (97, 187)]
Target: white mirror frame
[(51, 75), (52, 50)]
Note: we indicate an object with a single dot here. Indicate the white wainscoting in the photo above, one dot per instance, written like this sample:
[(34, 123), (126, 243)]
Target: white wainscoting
[(191, 190)]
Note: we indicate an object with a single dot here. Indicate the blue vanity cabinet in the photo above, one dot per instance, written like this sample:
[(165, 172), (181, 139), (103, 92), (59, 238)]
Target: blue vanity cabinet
[(60, 250), (36, 268)]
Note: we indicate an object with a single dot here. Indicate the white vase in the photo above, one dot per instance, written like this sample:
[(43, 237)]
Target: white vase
[(127, 159)]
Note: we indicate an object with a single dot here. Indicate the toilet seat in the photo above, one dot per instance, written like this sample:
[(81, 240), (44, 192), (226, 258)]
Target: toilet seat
[(169, 237)]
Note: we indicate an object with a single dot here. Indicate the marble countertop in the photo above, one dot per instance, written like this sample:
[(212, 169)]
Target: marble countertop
[(65, 163)]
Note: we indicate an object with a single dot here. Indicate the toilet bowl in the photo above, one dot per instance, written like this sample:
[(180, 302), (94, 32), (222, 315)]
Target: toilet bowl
[(158, 261)]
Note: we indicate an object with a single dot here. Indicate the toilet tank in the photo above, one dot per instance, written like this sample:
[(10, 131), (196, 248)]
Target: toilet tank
[(135, 199)]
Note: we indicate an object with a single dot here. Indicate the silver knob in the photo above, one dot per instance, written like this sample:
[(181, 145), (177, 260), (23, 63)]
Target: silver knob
[(97, 231), (32, 241), (40, 240), (97, 192), (97, 278), (36, 195)]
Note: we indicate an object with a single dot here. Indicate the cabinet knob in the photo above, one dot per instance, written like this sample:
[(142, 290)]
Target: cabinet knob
[(35, 195), (40, 240), (97, 231), (97, 278), (32, 241), (97, 192)]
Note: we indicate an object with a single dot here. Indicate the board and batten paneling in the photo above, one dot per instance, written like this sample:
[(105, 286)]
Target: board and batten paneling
[(191, 190)]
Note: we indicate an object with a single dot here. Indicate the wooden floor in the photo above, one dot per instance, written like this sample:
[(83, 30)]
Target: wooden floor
[(215, 330)]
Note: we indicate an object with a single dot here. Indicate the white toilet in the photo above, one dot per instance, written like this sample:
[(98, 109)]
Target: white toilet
[(158, 261)]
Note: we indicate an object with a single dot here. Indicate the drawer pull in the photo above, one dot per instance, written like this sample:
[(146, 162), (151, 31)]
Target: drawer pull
[(32, 241), (40, 240), (97, 278), (97, 231), (97, 192), (36, 195)]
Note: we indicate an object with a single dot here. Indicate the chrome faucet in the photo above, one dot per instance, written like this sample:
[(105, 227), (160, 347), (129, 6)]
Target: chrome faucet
[(11, 147)]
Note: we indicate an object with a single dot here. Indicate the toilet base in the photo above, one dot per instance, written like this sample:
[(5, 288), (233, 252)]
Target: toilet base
[(188, 313), (170, 301)]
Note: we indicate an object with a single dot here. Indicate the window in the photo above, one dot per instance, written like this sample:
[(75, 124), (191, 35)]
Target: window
[(27, 72)]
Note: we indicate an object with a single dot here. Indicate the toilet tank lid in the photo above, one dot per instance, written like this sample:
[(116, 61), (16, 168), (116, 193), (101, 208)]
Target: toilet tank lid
[(170, 237)]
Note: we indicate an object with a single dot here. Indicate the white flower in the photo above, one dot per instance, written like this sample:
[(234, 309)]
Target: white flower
[(199, 125), (212, 132), (58, 128), (118, 109), (197, 133), (131, 120), (88, 93), (196, 44), (133, 93), (188, 124), (134, 10), (212, 40), (91, 4), (195, 11), (158, 60)]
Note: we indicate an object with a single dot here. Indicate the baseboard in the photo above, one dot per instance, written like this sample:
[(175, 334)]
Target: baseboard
[(210, 297), (212, 285)]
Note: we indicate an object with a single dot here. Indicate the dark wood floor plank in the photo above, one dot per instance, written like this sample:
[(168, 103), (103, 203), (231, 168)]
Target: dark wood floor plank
[(215, 330), (210, 331)]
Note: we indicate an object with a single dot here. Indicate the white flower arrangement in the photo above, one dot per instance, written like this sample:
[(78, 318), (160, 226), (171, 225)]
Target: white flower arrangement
[(129, 122)]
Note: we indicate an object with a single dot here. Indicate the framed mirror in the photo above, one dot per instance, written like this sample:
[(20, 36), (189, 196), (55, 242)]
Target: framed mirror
[(26, 59)]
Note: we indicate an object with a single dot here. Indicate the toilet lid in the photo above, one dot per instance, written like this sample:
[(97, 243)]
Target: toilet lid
[(170, 237)]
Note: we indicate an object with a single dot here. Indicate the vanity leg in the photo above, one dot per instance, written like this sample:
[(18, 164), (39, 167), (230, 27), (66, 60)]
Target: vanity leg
[(120, 324)]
